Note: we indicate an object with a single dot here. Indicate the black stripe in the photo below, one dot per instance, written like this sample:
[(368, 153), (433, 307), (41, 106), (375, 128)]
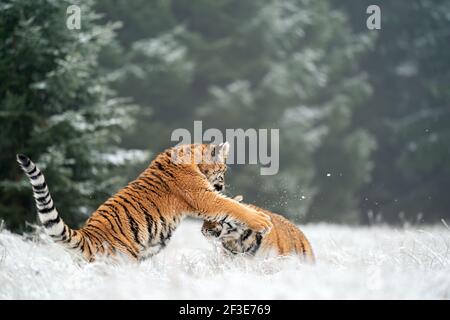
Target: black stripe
[(303, 248), (100, 231), (132, 196), (27, 163), (36, 176), (64, 233), (128, 202), (41, 199), (86, 244), (150, 183), (151, 202), (32, 171), (75, 233), (163, 229), (45, 203), (150, 222), (162, 182), (169, 174), (40, 191), (25, 166), (163, 221), (47, 210), (93, 236), (133, 225), (80, 243), (115, 217), (157, 209), (40, 186), (112, 235), (252, 250), (69, 234), (51, 223), (61, 234), (159, 165), (149, 180), (161, 168), (169, 234), (162, 239), (64, 230), (141, 207), (137, 186), (247, 233), (109, 205), (146, 187)]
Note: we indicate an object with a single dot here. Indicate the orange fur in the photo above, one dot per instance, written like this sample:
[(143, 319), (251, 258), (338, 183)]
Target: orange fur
[(139, 219), (285, 238)]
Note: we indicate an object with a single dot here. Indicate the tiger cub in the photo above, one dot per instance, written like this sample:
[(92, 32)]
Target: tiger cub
[(285, 238), (139, 220)]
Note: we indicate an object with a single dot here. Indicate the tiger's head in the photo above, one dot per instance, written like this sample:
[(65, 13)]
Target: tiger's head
[(213, 166), (223, 229), (212, 229), (209, 160)]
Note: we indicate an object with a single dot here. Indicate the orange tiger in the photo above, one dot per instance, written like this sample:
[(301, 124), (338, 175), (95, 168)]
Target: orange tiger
[(139, 220), (285, 238)]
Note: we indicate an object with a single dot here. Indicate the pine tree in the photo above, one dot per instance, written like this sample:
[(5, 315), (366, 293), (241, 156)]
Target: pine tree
[(56, 106), (408, 112)]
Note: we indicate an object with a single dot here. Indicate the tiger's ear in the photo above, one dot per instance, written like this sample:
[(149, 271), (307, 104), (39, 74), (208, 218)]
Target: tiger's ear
[(221, 151)]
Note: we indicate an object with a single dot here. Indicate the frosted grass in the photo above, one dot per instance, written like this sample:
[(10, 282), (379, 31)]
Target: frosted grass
[(352, 263)]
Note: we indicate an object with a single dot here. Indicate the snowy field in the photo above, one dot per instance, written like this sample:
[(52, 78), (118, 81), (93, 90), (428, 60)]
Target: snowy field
[(352, 263)]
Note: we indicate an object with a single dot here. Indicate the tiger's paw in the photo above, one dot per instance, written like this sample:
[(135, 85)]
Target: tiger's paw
[(258, 221)]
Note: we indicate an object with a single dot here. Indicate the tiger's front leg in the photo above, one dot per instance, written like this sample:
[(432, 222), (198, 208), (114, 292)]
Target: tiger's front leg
[(211, 205)]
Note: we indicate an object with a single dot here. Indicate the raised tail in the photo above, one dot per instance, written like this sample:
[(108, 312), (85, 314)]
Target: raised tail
[(48, 215)]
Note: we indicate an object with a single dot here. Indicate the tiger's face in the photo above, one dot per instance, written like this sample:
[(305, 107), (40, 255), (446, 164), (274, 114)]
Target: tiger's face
[(223, 229), (215, 169), (212, 229), (216, 177), (209, 159)]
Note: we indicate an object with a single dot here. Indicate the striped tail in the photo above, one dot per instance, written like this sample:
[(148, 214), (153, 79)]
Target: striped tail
[(48, 215)]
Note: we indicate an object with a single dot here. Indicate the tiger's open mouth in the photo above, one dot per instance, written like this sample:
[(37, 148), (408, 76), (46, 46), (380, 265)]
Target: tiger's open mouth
[(218, 187)]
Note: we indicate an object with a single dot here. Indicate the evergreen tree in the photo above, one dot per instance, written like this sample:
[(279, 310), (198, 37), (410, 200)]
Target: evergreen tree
[(408, 112), (56, 107)]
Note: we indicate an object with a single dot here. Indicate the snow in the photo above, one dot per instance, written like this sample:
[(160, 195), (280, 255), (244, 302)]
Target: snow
[(352, 263)]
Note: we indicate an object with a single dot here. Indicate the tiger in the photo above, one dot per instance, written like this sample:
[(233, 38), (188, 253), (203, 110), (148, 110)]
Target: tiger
[(285, 238), (138, 221)]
